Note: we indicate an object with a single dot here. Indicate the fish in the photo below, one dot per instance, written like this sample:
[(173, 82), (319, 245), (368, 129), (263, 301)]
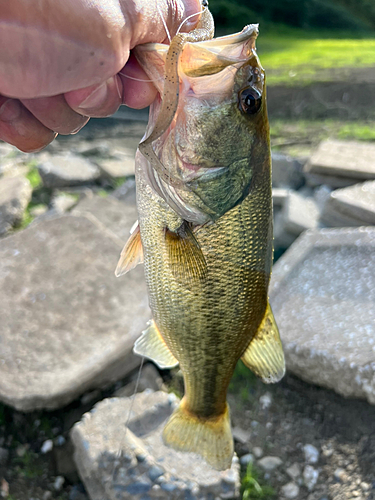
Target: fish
[(204, 233)]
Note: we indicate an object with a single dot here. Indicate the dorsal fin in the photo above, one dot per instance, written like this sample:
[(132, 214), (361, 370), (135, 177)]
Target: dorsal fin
[(264, 355), (132, 253)]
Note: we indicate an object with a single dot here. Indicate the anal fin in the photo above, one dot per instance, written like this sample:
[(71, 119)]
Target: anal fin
[(132, 253), (151, 345), (185, 256), (264, 355)]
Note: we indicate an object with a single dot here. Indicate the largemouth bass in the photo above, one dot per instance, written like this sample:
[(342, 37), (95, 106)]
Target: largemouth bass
[(205, 229)]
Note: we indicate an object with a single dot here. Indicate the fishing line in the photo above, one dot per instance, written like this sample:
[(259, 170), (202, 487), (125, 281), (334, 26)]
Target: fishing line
[(192, 15), (164, 23), (139, 79), (134, 394)]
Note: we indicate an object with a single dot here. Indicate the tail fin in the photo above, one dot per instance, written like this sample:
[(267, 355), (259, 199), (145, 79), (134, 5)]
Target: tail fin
[(210, 438)]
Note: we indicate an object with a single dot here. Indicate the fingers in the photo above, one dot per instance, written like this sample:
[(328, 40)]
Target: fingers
[(98, 100), (20, 128), (55, 114), (139, 92)]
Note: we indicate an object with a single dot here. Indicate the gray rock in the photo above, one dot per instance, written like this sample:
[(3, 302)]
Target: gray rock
[(290, 490), (247, 459), (286, 172), (119, 452), (333, 182), (265, 401), (47, 446), (323, 298), (258, 452), (149, 379), (117, 168), (311, 454), (68, 325), (347, 159), (299, 213), (67, 170), (63, 202), (126, 192), (294, 471), (15, 194), (114, 216), (269, 463), (354, 205), (58, 484), (279, 196), (241, 435), (340, 475), (310, 477)]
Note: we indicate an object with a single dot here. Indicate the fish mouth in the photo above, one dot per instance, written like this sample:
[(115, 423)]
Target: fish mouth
[(190, 171)]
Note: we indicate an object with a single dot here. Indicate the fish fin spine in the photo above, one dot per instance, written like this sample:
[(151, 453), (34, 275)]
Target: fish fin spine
[(151, 345), (184, 255), (132, 253), (210, 438), (264, 356)]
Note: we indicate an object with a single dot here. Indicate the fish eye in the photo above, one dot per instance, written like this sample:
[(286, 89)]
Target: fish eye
[(250, 101)]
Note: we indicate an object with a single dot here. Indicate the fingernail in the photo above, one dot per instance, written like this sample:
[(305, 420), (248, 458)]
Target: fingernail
[(95, 99), (10, 110)]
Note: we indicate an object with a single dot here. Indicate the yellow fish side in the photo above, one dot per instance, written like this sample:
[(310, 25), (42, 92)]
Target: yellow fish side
[(208, 315)]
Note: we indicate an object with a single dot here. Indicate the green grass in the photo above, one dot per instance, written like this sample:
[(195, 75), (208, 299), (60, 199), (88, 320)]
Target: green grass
[(28, 465), (292, 57), (253, 487), (33, 176)]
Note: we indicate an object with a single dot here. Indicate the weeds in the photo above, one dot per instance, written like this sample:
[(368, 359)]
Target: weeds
[(253, 487)]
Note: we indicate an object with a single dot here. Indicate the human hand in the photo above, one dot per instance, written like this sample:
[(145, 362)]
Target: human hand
[(63, 61)]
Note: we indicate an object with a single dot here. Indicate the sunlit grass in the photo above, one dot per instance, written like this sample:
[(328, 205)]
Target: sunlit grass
[(292, 58)]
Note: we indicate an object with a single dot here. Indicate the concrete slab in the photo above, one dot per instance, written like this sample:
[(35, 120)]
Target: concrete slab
[(323, 298), (348, 159), (120, 455), (68, 324), (355, 203)]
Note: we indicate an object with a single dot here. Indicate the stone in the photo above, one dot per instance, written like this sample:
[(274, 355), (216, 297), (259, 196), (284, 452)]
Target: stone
[(349, 159), (279, 196), (269, 463), (116, 217), (63, 202), (15, 194), (119, 452), (148, 379), (354, 205), (67, 170), (294, 471), (241, 435), (58, 484), (117, 168), (310, 477), (265, 401), (299, 213), (247, 459), (311, 454), (68, 324), (290, 490), (286, 172), (315, 180), (340, 475), (258, 452), (126, 192), (323, 297), (47, 446)]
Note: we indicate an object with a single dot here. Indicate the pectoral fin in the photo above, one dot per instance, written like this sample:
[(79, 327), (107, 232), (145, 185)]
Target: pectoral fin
[(151, 345), (264, 355), (185, 256), (132, 253)]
